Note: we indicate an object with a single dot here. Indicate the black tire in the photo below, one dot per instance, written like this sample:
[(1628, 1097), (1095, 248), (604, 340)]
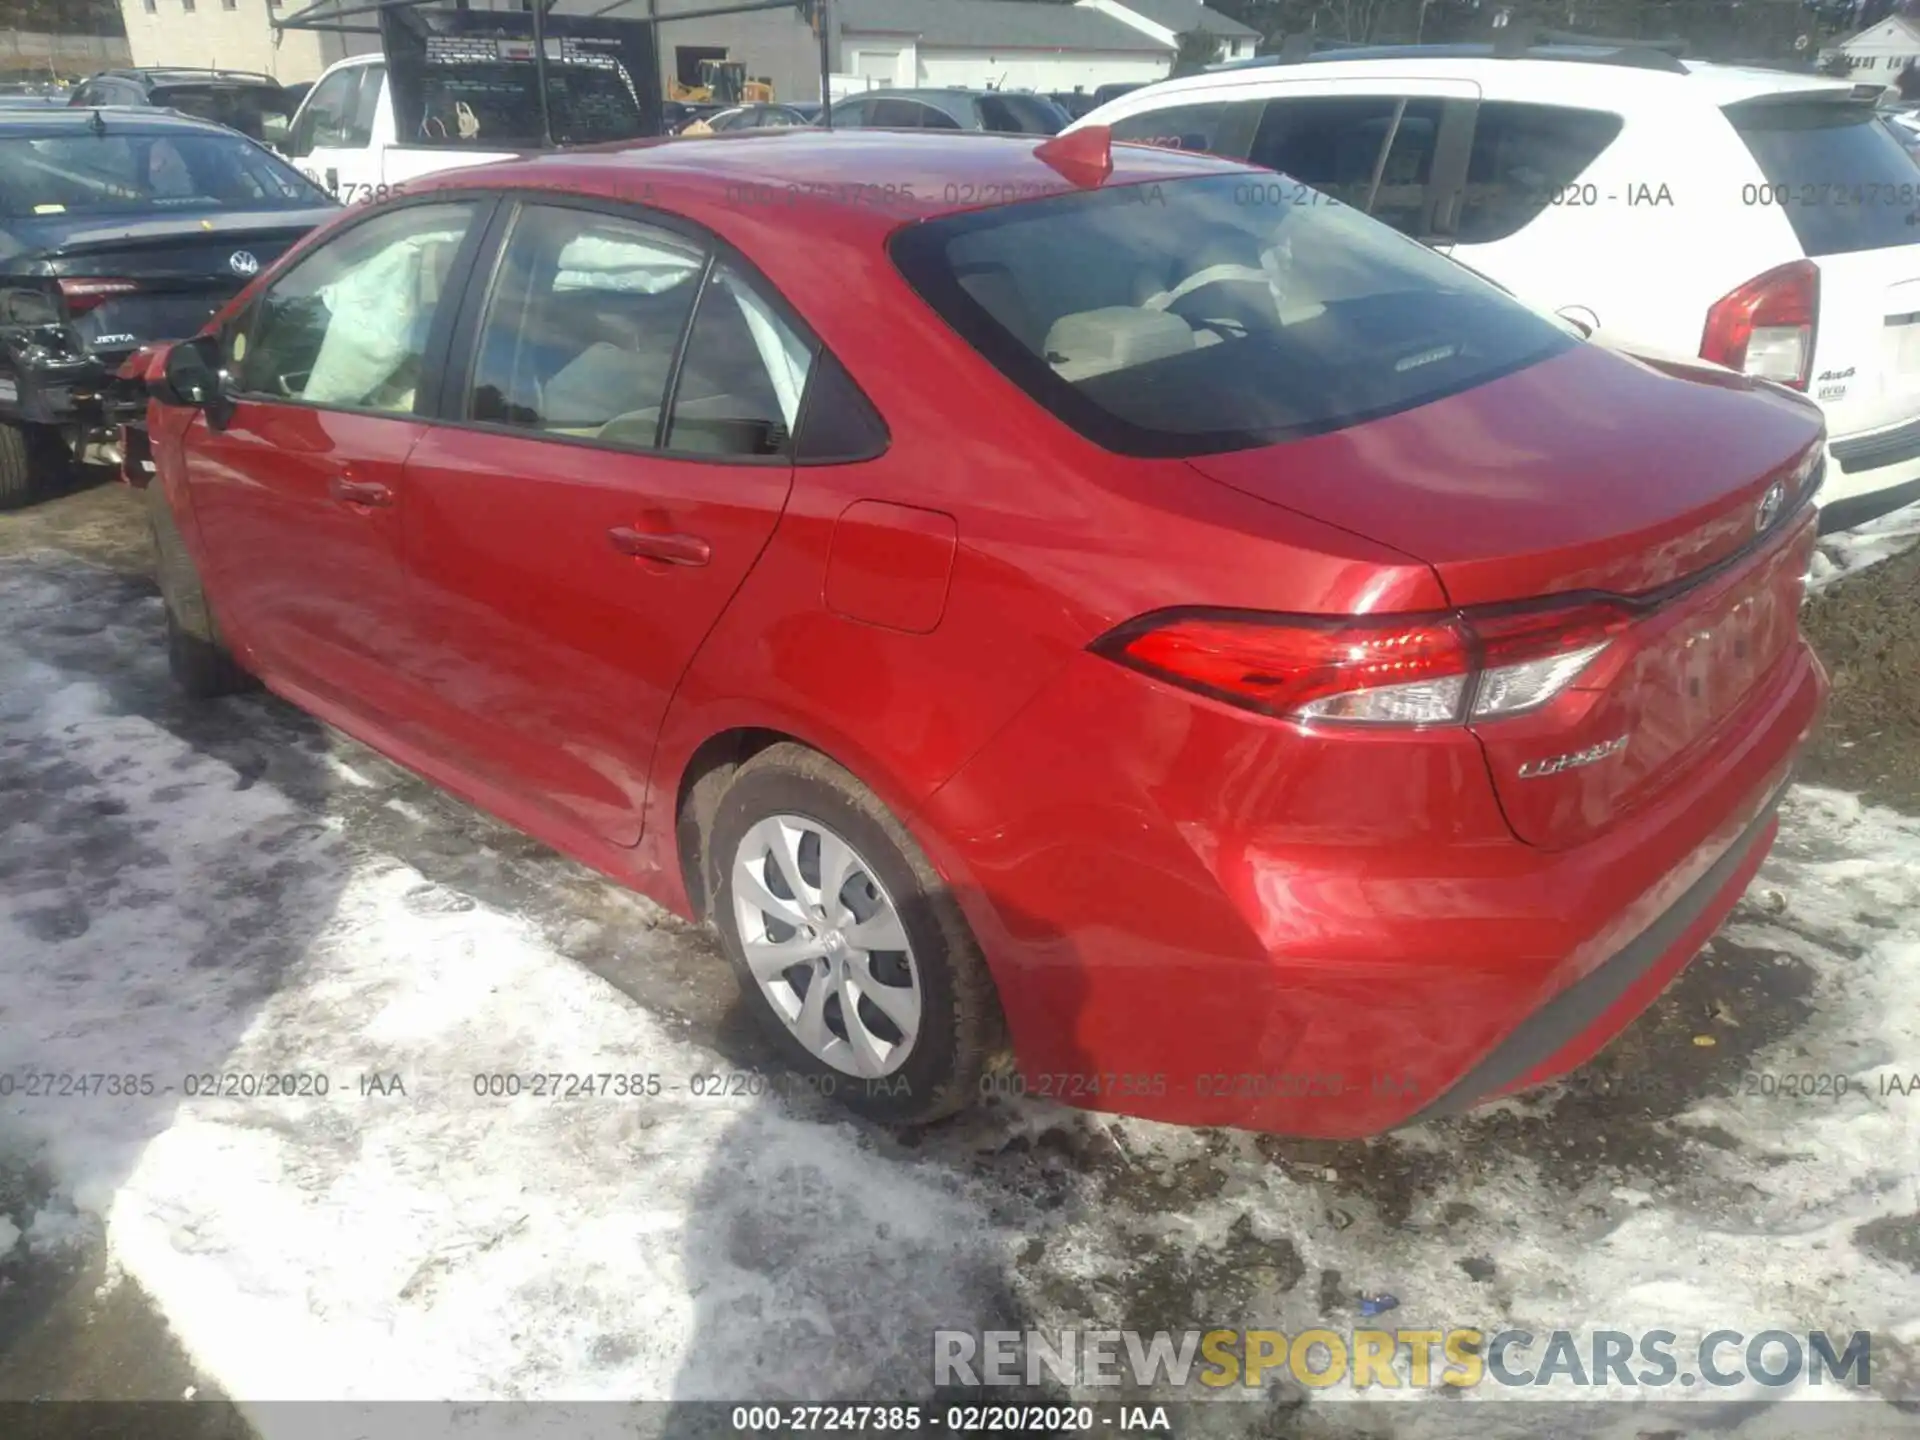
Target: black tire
[(960, 1026), (201, 664), (18, 482)]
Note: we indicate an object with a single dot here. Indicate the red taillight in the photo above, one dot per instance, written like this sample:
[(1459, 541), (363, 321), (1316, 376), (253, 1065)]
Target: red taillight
[(1765, 328), (84, 293), (1388, 670)]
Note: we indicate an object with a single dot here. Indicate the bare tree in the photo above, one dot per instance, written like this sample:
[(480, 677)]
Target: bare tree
[(1348, 19), (1198, 50)]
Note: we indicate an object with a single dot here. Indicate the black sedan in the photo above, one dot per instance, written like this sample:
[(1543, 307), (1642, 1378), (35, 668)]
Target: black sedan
[(1007, 112), (118, 228)]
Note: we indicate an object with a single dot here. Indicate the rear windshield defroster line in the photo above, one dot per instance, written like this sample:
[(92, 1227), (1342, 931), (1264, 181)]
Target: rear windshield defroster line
[(1198, 316)]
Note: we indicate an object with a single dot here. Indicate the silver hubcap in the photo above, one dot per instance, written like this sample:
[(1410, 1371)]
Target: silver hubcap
[(824, 939)]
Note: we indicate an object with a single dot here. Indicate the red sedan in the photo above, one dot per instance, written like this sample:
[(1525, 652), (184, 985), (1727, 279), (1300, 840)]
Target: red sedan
[(1093, 600)]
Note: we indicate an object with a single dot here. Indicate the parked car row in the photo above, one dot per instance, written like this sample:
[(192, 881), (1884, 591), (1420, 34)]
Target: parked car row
[(119, 227), (1764, 220), (1324, 667), (676, 539)]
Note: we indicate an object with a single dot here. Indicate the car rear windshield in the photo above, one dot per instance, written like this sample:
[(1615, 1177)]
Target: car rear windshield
[(1215, 314), (246, 108), (1022, 114), (1844, 182), (145, 171)]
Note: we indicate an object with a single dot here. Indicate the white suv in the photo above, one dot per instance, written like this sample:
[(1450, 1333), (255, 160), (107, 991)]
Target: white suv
[(1764, 220)]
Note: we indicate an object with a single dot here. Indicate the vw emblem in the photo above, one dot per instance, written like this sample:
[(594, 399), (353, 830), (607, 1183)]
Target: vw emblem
[(1770, 504), (244, 262)]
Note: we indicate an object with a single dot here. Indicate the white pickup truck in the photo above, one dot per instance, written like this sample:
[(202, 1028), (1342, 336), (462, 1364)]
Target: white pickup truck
[(470, 98), (344, 138)]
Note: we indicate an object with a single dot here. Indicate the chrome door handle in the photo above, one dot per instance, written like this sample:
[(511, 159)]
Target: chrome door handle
[(674, 549)]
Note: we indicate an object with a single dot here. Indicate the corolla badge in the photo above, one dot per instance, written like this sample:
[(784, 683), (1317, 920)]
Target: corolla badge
[(244, 262), (1770, 504), (1592, 755)]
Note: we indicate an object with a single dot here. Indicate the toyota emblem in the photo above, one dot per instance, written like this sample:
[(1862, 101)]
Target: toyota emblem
[(1770, 504), (244, 262)]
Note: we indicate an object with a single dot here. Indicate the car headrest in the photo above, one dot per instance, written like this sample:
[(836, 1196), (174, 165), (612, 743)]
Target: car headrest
[(1094, 342)]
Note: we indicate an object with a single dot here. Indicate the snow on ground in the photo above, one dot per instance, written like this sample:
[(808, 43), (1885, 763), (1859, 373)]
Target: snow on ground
[(1851, 551), (164, 912), (163, 921)]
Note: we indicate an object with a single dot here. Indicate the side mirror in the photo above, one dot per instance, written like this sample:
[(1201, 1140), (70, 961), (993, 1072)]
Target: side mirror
[(190, 375)]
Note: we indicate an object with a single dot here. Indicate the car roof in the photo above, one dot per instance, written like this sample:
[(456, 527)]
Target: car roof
[(1730, 84), (1571, 79), (855, 180), (119, 119), (186, 74)]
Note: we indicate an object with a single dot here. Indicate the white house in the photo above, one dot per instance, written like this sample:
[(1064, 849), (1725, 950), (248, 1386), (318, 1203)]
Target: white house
[(1880, 52), (1000, 43), (1168, 20)]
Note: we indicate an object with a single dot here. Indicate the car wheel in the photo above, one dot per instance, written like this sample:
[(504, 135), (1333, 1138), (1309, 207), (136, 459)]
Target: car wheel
[(849, 948), (202, 665), (18, 483)]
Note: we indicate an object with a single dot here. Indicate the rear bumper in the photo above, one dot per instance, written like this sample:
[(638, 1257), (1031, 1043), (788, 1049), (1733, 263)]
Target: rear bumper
[(1201, 918), (1575, 1025), (1869, 475)]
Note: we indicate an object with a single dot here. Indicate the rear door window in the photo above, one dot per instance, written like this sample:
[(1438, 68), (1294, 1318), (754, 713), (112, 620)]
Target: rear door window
[(1525, 158), (583, 339), (1178, 127), (1176, 319), (746, 368), (1844, 182), (1373, 152), (584, 326)]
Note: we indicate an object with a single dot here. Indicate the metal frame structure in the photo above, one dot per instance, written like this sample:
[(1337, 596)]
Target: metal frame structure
[(334, 16)]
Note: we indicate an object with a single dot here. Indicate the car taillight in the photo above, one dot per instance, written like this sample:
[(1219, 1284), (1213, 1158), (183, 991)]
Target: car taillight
[(1765, 327), (84, 293), (1414, 670)]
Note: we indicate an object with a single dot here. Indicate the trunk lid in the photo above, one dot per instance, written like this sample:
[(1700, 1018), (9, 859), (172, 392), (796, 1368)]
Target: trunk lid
[(185, 268), (1589, 472)]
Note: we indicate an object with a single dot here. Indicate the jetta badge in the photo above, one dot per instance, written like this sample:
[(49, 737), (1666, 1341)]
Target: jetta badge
[(1770, 504), (243, 262)]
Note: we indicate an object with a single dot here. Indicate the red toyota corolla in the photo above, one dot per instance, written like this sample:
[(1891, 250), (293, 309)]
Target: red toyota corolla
[(1089, 599)]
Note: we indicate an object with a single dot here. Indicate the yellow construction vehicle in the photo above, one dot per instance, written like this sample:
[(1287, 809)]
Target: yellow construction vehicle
[(723, 82)]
